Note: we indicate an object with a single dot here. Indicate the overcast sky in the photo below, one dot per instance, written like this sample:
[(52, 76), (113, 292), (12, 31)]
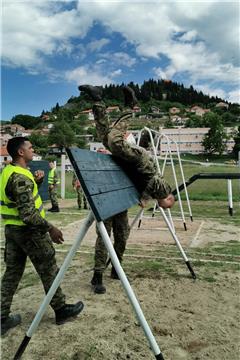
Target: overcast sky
[(50, 47)]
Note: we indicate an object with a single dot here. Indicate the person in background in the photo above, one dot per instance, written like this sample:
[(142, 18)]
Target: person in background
[(81, 198), (27, 234), (53, 182)]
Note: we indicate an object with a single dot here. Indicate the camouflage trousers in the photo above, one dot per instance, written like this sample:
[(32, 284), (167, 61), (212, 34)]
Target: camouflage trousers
[(81, 198), (20, 244), (113, 139), (120, 227), (53, 196)]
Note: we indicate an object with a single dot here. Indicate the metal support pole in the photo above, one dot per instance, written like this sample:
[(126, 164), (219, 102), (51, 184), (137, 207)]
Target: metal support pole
[(130, 294), (86, 225), (139, 215), (230, 200), (184, 183), (63, 171), (178, 243), (176, 183)]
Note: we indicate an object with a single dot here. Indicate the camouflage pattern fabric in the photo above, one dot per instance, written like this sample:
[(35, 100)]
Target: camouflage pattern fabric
[(120, 227), (31, 240), (81, 198), (20, 243), (80, 194), (20, 190), (113, 139), (53, 192), (53, 195)]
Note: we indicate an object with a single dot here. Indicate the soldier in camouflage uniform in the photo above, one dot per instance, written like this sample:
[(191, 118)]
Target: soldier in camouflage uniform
[(80, 195), (27, 235), (142, 166), (53, 182), (150, 182)]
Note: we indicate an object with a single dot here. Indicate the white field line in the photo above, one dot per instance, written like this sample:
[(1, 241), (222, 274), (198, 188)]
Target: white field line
[(156, 257), (159, 248), (194, 242)]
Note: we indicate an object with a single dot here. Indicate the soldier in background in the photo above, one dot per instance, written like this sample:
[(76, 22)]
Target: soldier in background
[(27, 234), (53, 182), (120, 226), (81, 198)]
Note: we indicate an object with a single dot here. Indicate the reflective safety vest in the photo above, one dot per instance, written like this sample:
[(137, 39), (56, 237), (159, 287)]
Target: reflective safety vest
[(51, 177), (8, 208)]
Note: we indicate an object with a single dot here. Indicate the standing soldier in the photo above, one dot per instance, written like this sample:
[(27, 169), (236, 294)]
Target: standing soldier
[(27, 235), (119, 224), (80, 195), (53, 181)]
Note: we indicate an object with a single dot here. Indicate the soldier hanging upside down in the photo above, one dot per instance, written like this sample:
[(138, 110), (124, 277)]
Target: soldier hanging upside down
[(150, 182)]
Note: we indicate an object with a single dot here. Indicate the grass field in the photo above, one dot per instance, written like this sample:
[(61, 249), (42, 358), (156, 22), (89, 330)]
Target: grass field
[(200, 190)]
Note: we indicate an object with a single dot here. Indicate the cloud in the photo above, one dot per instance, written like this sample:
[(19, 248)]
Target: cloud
[(234, 96), (117, 72), (34, 31), (119, 58), (87, 75), (198, 39), (97, 45)]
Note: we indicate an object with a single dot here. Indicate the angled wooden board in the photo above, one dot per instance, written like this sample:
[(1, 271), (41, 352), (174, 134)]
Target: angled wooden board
[(107, 187)]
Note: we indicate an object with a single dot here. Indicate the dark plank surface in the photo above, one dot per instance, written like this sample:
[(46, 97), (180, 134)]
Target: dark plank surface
[(107, 187)]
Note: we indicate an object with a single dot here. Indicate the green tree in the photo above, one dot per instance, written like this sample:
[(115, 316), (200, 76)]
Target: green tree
[(27, 121), (40, 143), (215, 140), (236, 148), (61, 134)]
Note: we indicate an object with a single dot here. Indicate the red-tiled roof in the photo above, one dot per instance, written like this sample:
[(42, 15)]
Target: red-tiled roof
[(3, 151)]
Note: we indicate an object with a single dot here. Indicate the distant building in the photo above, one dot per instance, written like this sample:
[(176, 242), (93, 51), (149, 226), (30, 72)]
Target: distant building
[(110, 109), (174, 110), (136, 109), (222, 105), (198, 110), (189, 140), (95, 146), (4, 139), (87, 112), (4, 156)]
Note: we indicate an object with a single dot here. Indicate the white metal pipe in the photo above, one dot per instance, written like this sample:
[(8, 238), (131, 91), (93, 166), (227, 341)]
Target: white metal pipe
[(230, 199), (154, 149), (139, 137), (127, 287), (86, 225), (63, 171), (173, 234), (184, 181), (176, 183)]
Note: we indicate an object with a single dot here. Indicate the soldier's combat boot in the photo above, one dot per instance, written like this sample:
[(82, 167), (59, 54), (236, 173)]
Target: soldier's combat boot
[(114, 274), (55, 209), (130, 99), (97, 284), (10, 322), (95, 92), (67, 312)]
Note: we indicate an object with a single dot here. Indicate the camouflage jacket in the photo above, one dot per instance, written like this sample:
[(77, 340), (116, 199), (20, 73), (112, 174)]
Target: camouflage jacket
[(20, 190)]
